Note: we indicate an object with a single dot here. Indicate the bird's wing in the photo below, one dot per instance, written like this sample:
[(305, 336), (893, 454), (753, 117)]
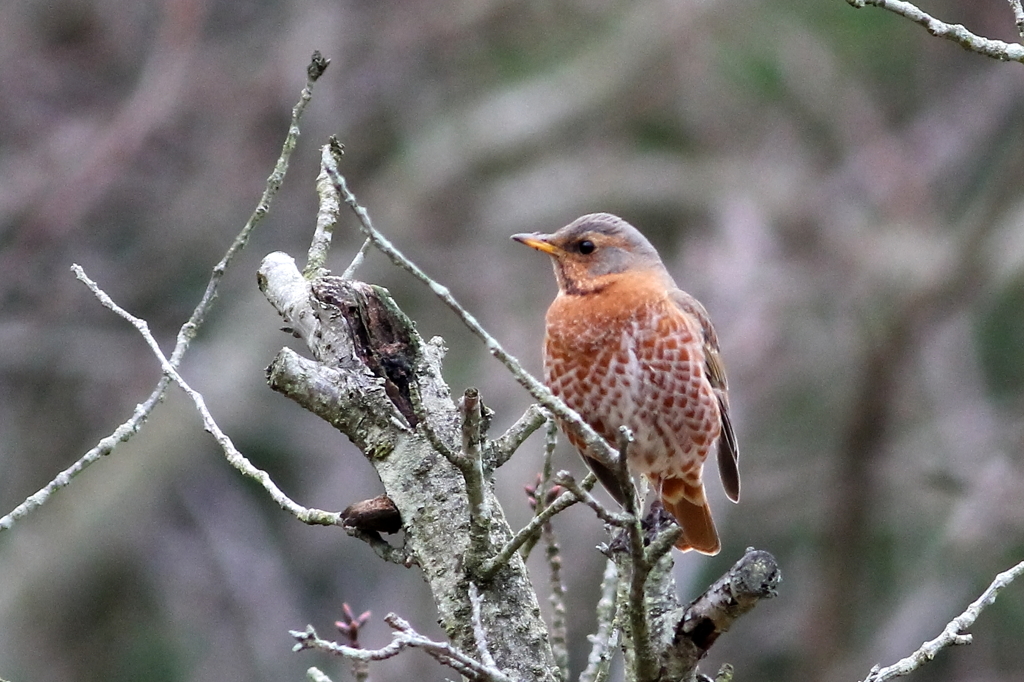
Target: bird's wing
[(728, 453)]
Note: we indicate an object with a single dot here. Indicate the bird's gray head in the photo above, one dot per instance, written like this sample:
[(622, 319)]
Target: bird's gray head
[(593, 248)]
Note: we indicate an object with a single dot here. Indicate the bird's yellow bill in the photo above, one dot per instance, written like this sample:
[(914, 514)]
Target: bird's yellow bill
[(535, 241)]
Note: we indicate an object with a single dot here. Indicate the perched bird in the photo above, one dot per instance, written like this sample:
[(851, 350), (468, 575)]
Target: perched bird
[(624, 346)]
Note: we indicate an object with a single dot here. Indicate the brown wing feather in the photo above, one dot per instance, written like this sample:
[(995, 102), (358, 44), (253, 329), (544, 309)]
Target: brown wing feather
[(728, 452)]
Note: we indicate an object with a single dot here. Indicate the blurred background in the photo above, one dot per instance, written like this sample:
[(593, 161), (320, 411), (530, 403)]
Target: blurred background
[(841, 190)]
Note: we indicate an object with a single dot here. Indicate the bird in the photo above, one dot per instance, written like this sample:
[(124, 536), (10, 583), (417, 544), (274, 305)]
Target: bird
[(625, 346)]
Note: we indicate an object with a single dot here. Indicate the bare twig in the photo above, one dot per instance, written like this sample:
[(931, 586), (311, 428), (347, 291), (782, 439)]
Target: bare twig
[(404, 638), (1018, 15), (499, 450), (327, 217), (565, 479), (234, 457), (447, 654), (530, 530), (606, 638), (188, 331), (470, 463), (559, 633), (381, 547), (952, 634), (996, 49), (357, 260), (639, 625), (540, 498)]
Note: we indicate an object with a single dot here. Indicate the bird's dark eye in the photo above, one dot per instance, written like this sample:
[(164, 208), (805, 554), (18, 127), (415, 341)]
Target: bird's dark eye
[(586, 247)]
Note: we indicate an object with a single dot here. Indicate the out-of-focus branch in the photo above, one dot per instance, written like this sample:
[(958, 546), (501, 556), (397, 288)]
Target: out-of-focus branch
[(997, 49), (951, 635), (538, 495), (188, 331), (314, 674)]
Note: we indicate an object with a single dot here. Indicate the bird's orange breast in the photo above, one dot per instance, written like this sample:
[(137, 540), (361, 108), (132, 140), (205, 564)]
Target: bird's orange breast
[(628, 355)]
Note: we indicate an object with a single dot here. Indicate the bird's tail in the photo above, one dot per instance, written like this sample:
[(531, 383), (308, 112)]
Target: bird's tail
[(690, 508)]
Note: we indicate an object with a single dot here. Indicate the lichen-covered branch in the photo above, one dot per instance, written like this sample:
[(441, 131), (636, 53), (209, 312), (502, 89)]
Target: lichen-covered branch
[(753, 578), (499, 450)]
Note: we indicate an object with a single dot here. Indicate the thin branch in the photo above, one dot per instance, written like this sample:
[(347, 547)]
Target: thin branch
[(530, 530), (597, 446), (447, 654), (188, 331), (540, 495), (565, 479), (308, 639), (381, 547), (404, 638), (639, 626), (605, 640), (952, 634), (1018, 15), (996, 49), (357, 260), (438, 443), (327, 216), (499, 450), (234, 457), (470, 463), (559, 634)]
